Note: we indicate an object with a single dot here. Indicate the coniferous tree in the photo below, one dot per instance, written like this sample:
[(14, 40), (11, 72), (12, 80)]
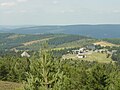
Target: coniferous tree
[(45, 73)]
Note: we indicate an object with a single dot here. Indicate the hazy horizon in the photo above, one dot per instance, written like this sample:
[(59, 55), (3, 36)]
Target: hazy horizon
[(95, 24)]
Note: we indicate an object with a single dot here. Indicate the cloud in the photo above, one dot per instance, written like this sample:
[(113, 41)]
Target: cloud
[(22, 0), (55, 2), (71, 11), (116, 11), (8, 12), (14, 12), (7, 4), (62, 11), (22, 11), (68, 11)]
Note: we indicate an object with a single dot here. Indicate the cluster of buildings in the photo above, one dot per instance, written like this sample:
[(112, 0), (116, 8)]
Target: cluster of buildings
[(83, 52)]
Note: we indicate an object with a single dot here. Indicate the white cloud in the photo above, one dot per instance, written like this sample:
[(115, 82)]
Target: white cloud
[(116, 11), (14, 12), (62, 11), (55, 2), (8, 12), (23, 11), (71, 11), (67, 11), (22, 0), (7, 4)]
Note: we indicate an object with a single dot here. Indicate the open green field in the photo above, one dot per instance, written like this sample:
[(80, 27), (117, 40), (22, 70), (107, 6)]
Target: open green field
[(99, 57), (5, 85)]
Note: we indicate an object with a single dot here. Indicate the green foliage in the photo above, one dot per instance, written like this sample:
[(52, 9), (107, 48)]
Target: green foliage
[(97, 78), (45, 73), (91, 76), (65, 39), (9, 41), (13, 69), (113, 40), (114, 79), (116, 55)]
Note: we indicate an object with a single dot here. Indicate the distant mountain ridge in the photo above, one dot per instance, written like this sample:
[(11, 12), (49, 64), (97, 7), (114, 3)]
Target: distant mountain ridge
[(97, 31)]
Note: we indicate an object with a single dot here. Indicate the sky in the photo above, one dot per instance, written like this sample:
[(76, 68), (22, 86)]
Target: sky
[(59, 12)]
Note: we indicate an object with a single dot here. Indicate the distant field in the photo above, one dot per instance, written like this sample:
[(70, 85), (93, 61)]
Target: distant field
[(35, 41), (105, 43), (5, 85), (99, 57)]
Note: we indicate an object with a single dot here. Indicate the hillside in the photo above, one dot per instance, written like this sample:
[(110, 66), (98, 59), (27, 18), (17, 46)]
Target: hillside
[(11, 41), (97, 31), (113, 40), (60, 64)]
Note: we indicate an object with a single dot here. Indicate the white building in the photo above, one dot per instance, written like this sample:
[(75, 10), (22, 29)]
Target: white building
[(81, 55), (25, 54)]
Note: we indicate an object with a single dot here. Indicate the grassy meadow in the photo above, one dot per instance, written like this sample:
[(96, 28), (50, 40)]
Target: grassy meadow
[(5, 85), (98, 57)]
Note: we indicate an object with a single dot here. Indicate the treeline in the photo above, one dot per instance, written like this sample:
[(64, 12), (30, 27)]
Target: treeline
[(61, 52), (65, 39), (116, 55), (46, 72), (113, 40)]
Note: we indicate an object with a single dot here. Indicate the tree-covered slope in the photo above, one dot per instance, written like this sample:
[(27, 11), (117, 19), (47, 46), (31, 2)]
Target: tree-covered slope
[(113, 40), (33, 42)]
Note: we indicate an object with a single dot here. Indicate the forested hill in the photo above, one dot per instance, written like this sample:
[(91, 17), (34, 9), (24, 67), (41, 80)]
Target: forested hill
[(33, 41), (97, 31)]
